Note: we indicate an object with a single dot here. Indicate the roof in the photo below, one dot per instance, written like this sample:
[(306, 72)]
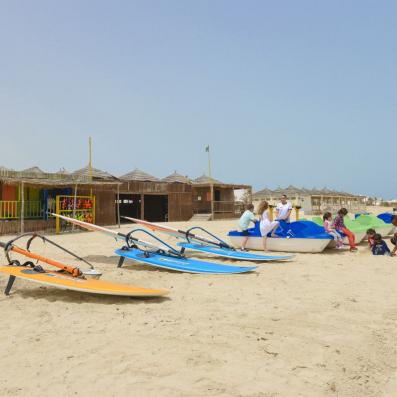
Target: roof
[(12, 177), (95, 173), (263, 192), (206, 180), (292, 190), (175, 177), (33, 170), (139, 175)]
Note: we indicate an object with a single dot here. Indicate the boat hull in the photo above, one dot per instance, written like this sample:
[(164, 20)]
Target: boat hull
[(306, 245), (385, 230), (359, 237)]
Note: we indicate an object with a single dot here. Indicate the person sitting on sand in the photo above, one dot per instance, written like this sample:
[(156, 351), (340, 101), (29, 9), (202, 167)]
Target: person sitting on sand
[(371, 237), (340, 227), (380, 247), (329, 228), (283, 209), (266, 224), (244, 222)]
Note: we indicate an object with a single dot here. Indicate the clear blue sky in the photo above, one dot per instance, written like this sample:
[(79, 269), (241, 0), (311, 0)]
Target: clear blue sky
[(285, 92)]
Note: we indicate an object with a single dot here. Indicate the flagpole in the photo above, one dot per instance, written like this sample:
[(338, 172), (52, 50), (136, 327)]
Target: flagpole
[(209, 161)]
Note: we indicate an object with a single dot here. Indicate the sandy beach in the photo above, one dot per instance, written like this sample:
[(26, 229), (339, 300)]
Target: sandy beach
[(319, 325)]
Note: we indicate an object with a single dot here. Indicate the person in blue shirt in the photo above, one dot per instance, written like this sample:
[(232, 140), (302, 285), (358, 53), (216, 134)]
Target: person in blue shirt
[(380, 247), (244, 223)]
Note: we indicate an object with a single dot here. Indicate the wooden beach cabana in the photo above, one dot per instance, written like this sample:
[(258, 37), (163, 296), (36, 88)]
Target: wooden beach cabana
[(144, 196), (213, 199), (26, 197)]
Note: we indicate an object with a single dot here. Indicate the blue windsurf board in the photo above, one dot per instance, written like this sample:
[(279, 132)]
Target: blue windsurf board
[(233, 254), (180, 264)]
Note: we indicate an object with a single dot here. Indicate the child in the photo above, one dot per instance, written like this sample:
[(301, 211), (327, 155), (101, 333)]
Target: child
[(244, 223), (266, 226), (371, 237), (380, 247), (327, 218), (339, 226)]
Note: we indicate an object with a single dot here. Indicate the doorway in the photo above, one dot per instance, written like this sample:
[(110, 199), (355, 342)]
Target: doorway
[(130, 205), (156, 207)]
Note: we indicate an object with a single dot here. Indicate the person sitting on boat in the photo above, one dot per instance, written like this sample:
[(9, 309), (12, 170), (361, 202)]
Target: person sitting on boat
[(340, 227), (330, 229), (283, 209), (266, 225), (371, 237), (244, 222), (380, 247)]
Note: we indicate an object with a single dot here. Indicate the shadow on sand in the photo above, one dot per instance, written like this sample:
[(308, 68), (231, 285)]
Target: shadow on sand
[(53, 294)]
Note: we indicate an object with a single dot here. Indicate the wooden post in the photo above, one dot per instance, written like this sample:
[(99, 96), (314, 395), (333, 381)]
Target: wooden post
[(142, 206), (74, 205), (212, 201), (22, 208), (90, 161), (118, 205), (57, 220), (297, 208)]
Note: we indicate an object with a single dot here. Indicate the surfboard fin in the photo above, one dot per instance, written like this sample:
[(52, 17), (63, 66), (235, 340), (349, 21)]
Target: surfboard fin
[(121, 261), (9, 285)]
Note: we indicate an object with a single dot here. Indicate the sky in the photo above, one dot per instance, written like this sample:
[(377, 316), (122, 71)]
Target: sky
[(284, 92)]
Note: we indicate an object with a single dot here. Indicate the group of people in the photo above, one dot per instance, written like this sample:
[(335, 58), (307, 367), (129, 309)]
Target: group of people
[(333, 226), (375, 241), (267, 224), (336, 227), (378, 246)]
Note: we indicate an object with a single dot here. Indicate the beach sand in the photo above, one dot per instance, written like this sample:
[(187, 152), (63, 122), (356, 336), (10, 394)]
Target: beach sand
[(320, 325)]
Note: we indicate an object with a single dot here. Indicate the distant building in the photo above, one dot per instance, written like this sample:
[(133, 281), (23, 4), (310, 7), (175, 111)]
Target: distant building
[(313, 201)]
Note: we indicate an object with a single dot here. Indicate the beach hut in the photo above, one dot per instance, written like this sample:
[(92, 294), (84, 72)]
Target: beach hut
[(26, 198), (213, 199), (180, 204), (105, 187), (139, 188), (144, 196)]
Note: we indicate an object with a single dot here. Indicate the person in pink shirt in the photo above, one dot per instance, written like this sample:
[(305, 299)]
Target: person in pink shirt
[(329, 228)]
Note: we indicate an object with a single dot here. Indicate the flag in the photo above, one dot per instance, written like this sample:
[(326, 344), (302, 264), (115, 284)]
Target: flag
[(207, 148)]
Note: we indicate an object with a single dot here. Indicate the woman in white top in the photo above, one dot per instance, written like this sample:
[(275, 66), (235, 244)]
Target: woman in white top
[(266, 224)]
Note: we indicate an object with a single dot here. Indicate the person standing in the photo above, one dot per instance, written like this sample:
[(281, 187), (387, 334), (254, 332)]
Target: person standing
[(244, 223), (266, 224), (283, 209)]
